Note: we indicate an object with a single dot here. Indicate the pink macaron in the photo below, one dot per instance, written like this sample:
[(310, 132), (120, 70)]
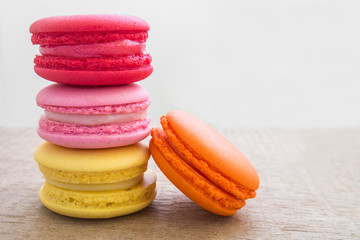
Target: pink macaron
[(93, 117), (92, 50)]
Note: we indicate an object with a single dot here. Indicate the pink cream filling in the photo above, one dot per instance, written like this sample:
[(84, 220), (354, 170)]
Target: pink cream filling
[(117, 48), (111, 109), (97, 119), (69, 128)]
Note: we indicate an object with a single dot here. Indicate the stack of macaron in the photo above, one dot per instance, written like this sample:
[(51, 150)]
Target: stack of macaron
[(95, 117), (93, 162)]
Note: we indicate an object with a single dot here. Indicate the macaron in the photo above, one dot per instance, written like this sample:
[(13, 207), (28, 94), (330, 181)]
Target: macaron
[(202, 163), (95, 183), (92, 49), (94, 117)]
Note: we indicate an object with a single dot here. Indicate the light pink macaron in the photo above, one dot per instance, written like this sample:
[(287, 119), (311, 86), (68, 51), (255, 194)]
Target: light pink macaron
[(93, 117)]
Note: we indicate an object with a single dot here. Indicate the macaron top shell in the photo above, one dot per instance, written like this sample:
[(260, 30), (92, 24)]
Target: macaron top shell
[(89, 23), (82, 96), (205, 142), (91, 160)]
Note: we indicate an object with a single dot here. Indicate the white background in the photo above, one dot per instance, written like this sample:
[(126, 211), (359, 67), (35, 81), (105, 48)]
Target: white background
[(231, 63)]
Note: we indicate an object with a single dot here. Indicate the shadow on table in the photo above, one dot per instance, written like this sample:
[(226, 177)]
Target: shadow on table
[(179, 218)]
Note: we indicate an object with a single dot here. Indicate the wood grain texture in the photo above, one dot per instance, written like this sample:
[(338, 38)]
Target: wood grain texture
[(309, 189)]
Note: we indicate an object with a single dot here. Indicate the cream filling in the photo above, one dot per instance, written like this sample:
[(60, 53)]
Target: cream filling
[(95, 119), (116, 48), (123, 185)]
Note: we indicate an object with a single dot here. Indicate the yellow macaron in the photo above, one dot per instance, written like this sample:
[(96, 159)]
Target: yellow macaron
[(95, 183)]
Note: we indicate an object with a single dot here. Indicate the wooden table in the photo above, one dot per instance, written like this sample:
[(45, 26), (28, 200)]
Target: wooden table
[(310, 189)]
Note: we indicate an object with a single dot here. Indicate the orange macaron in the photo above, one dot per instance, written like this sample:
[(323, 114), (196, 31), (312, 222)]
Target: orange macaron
[(202, 163)]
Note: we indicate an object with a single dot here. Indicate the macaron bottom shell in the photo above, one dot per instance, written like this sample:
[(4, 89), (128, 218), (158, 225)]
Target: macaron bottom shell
[(94, 78), (188, 186), (100, 204), (94, 141)]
